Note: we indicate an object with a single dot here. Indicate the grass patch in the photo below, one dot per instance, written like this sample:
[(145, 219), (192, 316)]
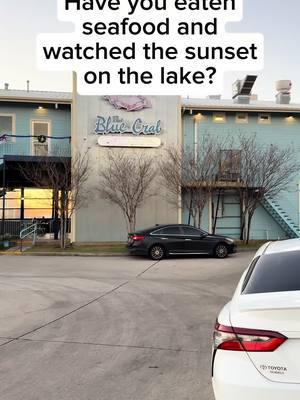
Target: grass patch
[(253, 244), (105, 248)]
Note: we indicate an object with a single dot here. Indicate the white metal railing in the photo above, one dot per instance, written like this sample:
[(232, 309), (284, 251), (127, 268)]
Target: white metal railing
[(29, 231)]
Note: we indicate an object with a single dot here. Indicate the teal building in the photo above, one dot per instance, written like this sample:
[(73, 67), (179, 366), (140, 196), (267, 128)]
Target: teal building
[(33, 125), (275, 122)]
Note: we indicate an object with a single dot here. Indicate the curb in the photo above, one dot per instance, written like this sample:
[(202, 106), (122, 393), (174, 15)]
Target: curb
[(66, 254), (63, 254)]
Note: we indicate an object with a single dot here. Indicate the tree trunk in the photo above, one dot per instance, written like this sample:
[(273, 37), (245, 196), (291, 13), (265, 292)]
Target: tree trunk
[(199, 218), (250, 215), (243, 217), (190, 211), (131, 224), (64, 213)]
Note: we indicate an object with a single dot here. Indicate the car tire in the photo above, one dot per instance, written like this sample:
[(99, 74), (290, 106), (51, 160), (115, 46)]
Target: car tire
[(157, 252), (221, 250)]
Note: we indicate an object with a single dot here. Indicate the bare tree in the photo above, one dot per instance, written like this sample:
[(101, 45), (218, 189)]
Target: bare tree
[(190, 176), (266, 170), (66, 177), (126, 181)]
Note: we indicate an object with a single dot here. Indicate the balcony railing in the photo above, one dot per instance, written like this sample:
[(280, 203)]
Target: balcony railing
[(54, 147)]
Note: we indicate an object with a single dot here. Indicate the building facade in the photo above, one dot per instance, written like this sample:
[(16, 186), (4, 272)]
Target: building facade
[(272, 123), (137, 125), (33, 125), (37, 125)]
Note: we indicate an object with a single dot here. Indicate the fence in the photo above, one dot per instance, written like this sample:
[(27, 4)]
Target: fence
[(14, 227)]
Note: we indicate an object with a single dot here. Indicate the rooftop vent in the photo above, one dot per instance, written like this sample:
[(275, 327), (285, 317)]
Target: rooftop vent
[(6, 86), (284, 91), (242, 89)]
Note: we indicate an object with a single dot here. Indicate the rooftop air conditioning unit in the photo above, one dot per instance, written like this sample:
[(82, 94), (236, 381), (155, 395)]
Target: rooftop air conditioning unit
[(283, 88)]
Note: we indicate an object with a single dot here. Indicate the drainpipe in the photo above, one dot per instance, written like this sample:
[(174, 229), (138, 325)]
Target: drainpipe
[(3, 198), (195, 139), (299, 204), (210, 216)]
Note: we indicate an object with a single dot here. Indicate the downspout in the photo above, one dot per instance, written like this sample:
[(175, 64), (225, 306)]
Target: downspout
[(299, 204), (195, 139), (3, 198)]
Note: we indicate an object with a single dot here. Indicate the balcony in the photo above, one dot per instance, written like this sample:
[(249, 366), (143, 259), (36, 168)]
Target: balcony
[(24, 146)]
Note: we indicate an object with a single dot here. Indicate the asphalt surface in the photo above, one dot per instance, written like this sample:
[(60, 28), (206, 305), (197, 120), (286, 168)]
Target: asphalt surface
[(114, 328)]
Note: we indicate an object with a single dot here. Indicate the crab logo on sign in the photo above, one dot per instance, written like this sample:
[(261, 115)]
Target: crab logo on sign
[(129, 103)]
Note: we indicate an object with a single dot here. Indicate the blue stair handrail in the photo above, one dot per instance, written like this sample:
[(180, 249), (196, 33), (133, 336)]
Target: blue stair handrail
[(281, 217)]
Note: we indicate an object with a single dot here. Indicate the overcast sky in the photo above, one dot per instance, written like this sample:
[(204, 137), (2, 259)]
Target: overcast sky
[(21, 20)]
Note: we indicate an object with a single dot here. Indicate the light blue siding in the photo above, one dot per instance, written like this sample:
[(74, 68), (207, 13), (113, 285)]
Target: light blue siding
[(281, 131), (60, 126)]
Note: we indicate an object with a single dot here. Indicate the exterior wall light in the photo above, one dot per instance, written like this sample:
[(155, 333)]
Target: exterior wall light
[(290, 119), (198, 117), (219, 118)]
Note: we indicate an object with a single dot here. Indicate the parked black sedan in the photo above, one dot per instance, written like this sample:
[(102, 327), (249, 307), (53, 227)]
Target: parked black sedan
[(163, 240)]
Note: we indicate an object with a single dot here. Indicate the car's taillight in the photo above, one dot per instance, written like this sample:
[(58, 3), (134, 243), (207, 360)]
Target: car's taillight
[(241, 339), (137, 238)]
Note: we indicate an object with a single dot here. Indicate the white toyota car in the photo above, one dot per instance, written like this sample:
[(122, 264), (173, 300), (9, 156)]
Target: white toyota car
[(256, 354)]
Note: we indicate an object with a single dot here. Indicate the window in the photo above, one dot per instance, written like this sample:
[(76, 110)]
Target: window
[(230, 165), (39, 130), (264, 118), (37, 203), (278, 272), (187, 231), (172, 230), (7, 126), (219, 118), (241, 118)]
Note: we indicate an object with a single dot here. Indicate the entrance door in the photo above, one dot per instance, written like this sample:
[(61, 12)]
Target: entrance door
[(40, 130)]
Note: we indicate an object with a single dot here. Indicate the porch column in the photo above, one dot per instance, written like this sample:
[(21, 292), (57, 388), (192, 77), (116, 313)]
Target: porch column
[(22, 208), (3, 198)]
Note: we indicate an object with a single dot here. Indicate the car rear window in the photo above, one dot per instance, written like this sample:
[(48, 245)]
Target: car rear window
[(171, 230), (191, 231), (278, 272)]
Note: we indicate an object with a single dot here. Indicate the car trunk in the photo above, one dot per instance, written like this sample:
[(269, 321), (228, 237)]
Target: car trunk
[(277, 312)]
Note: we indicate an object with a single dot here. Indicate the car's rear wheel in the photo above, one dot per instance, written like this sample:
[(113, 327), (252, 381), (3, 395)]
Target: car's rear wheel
[(157, 252), (221, 250)]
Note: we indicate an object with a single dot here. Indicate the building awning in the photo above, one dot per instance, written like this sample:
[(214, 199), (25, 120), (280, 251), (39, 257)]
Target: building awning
[(12, 167)]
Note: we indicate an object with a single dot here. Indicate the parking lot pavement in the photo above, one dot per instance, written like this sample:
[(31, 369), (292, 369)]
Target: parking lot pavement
[(115, 328)]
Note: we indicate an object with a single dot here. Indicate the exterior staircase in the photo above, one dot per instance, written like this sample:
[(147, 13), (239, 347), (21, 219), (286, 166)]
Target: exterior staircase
[(281, 217)]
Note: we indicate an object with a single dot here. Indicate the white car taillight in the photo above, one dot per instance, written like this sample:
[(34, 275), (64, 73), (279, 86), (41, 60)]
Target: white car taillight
[(250, 340)]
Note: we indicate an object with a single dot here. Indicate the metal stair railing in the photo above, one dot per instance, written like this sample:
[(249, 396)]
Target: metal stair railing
[(281, 217), (29, 231)]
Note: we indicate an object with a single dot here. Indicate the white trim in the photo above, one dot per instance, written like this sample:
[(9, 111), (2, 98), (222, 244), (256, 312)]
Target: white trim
[(13, 123), (40, 120), (195, 140)]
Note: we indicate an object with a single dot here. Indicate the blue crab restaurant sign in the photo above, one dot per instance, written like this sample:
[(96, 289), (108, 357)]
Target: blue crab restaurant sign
[(116, 125)]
